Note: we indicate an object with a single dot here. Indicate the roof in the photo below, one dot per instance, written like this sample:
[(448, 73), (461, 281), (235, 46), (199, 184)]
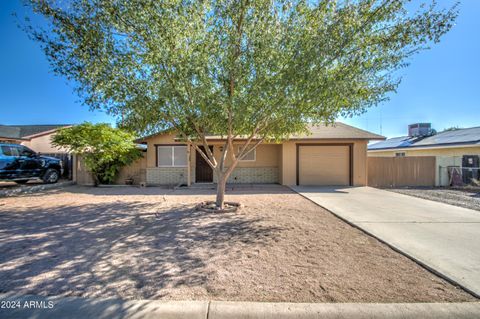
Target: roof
[(336, 131), (460, 137), (26, 131), (9, 131)]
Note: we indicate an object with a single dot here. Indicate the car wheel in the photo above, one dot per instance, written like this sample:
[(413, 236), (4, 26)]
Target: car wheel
[(23, 181), (51, 176)]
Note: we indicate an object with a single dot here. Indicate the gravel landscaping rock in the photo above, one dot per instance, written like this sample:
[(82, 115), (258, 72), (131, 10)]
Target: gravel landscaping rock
[(467, 197), (12, 189), (150, 243)]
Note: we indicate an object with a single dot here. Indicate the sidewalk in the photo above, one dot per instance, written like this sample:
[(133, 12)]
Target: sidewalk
[(151, 309)]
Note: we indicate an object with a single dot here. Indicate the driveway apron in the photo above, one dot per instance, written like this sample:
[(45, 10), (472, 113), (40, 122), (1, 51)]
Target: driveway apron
[(442, 237)]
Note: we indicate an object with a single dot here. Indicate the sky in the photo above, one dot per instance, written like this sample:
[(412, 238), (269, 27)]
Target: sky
[(441, 86)]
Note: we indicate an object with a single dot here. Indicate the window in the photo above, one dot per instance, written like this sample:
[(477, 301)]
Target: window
[(25, 151), (8, 150), (250, 156), (401, 154), (171, 156)]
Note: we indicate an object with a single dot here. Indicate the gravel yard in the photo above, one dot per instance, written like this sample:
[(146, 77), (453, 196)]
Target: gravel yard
[(466, 197), (137, 243), (33, 186)]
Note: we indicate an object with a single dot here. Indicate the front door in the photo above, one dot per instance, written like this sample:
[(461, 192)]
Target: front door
[(203, 171)]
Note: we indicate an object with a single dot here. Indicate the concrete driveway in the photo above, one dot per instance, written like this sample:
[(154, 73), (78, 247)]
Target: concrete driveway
[(443, 237)]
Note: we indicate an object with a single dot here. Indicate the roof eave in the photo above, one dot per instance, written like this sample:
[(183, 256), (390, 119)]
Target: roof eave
[(463, 144), (14, 138)]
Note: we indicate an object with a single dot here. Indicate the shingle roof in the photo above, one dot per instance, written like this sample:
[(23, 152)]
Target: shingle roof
[(23, 131), (464, 136), (9, 131), (338, 131), (335, 131)]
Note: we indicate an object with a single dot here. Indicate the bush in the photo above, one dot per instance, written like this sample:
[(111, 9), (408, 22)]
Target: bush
[(105, 149)]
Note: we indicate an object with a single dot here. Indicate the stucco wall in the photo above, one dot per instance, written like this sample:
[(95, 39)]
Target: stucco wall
[(155, 140), (289, 160), (263, 170), (43, 144), (277, 160), (267, 162), (266, 155)]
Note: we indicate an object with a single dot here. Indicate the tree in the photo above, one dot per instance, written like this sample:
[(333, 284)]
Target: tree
[(104, 149), (249, 71)]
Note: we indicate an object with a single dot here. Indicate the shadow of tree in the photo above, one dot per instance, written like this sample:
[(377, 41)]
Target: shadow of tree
[(238, 189), (128, 250)]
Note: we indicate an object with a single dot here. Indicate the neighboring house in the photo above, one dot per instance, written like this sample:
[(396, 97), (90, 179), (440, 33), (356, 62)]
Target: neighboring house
[(458, 147), (39, 139), (36, 137), (330, 155)]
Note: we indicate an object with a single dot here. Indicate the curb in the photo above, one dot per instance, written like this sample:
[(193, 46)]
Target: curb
[(254, 310), (394, 248), (75, 308)]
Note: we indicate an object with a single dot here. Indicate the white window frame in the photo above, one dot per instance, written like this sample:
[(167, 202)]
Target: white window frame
[(173, 155), (249, 160), (400, 154)]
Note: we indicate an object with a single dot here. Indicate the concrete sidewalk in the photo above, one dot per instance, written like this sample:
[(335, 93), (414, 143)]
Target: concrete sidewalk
[(80, 308), (442, 237)]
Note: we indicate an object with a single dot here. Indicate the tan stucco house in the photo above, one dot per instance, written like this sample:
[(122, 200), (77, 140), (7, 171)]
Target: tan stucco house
[(452, 148), (35, 137), (330, 155)]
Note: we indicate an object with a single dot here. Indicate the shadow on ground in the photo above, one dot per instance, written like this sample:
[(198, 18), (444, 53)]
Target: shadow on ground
[(238, 189), (126, 249)]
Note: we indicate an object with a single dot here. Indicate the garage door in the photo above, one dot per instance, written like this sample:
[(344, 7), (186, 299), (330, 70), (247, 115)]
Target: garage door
[(324, 165)]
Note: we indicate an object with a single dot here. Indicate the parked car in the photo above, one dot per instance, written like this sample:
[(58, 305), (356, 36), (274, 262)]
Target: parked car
[(20, 164)]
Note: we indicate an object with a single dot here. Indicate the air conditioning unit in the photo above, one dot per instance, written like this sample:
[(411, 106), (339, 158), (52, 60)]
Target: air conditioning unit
[(420, 130)]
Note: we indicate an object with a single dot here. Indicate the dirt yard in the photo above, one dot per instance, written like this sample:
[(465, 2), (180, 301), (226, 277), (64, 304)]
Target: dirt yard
[(148, 243), (462, 197)]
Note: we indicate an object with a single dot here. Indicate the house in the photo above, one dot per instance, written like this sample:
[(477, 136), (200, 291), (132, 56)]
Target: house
[(452, 148), (329, 155), (36, 137)]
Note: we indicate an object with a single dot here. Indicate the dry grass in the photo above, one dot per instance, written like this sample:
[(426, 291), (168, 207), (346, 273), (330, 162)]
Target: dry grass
[(148, 243)]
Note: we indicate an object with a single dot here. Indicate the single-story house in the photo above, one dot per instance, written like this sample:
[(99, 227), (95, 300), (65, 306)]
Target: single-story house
[(35, 137), (457, 147), (329, 155)]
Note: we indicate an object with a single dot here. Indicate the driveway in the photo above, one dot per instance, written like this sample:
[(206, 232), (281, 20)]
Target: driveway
[(443, 237), (150, 243)]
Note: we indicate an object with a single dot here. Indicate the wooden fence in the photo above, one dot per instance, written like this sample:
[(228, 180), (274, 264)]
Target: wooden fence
[(401, 171)]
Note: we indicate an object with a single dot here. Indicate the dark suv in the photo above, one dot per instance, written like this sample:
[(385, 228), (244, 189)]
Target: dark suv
[(20, 164)]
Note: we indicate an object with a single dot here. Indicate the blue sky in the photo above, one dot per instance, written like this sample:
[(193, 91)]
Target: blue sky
[(440, 86)]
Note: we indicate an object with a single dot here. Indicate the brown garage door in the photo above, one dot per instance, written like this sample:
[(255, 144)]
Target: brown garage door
[(324, 165)]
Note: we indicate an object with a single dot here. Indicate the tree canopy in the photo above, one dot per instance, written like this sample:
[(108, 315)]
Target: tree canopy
[(103, 148), (260, 69)]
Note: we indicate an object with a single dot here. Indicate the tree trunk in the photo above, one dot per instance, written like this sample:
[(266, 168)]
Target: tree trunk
[(221, 185)]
